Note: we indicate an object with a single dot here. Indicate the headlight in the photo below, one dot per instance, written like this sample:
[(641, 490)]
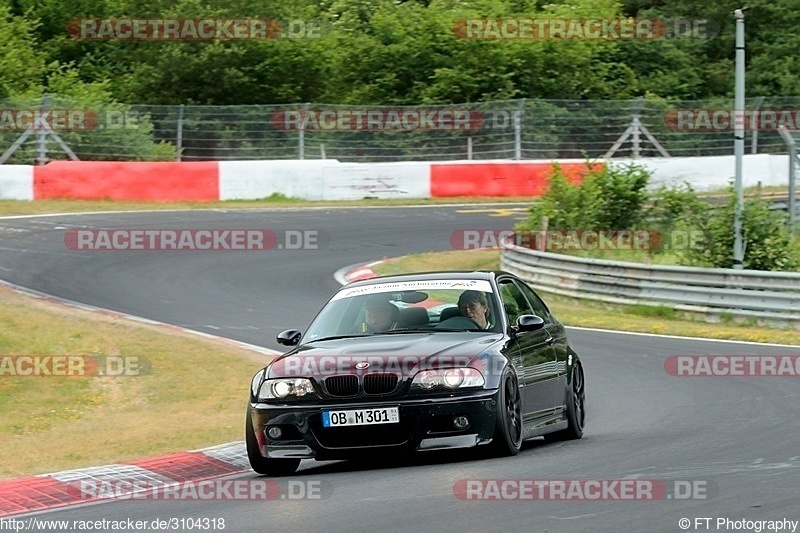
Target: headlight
[(280, 389), (448, 378), (453, 378)]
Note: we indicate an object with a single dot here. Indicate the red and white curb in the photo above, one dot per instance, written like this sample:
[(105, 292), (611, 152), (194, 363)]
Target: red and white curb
[(50, 491), (356, 272)]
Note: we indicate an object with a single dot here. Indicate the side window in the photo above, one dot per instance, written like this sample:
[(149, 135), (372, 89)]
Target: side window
[(539, 308), (514, 302)]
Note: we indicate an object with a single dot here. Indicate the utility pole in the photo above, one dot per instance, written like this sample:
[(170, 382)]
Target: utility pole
[(738, 139)]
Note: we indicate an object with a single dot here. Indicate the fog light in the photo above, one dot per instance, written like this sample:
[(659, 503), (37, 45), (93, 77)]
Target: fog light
[(460, 422), (274, 433)]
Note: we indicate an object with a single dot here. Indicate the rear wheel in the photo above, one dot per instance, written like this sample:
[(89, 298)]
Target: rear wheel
[(507, 438), (265, 465), (576, 409)]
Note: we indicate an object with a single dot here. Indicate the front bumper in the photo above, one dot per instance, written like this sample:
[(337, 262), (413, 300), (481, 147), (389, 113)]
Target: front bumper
[(425, 424)]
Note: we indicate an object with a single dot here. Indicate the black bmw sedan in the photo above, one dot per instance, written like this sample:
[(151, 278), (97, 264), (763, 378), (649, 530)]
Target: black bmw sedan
[(417, 362)]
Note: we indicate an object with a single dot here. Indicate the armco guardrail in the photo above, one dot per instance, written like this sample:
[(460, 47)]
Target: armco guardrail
[(768, 296)]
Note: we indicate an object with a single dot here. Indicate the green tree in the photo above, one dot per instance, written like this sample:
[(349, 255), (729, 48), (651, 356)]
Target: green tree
[(22, 66)]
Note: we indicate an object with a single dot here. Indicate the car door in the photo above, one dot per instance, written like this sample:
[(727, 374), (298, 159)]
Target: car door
[(538, 360), (559, 342)]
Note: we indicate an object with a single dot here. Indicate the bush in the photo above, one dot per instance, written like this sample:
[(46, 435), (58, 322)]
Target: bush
[(616, 198), (622, 195), (767, 242), (671, 207), (609, 197), (565, 204)]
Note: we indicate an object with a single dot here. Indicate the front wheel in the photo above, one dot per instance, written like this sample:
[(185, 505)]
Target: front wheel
[(576, 409), (507, 438), (265, 465)]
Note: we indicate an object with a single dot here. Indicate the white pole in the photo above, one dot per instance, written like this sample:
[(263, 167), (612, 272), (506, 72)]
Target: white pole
[(738, 140)]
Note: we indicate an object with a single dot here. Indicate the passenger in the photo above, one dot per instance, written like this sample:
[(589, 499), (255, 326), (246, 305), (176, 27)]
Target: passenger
[(473, 305), (379, 316)]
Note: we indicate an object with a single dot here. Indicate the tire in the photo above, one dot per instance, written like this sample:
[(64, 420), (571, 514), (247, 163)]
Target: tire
[(576, 409), (264, 465), (507, 438)]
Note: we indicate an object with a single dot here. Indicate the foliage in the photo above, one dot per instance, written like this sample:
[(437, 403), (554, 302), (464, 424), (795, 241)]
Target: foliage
[(615, 197), (21, 65), (670, 210), (767, 242), (609, 197), (565, 204), (400, 52)]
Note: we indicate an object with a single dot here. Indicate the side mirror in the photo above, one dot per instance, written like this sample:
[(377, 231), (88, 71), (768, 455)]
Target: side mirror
[(289, 337), (529, 323)]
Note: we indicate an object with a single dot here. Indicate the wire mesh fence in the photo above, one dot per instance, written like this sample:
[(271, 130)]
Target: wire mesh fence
[(37, 131)]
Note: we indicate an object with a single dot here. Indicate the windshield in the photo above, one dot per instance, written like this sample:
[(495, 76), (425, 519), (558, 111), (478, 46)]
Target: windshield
[(407, 307)]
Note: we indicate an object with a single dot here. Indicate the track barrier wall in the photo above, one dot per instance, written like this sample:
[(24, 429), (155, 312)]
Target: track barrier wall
[(329, 179)]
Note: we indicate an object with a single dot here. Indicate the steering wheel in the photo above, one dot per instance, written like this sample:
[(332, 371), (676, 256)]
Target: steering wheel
[(459, 322)]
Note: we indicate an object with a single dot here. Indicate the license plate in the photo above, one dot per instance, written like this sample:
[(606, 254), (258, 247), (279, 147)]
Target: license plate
[(360, 417)]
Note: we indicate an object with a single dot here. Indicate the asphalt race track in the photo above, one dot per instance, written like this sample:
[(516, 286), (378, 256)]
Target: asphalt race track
[(735, 439)]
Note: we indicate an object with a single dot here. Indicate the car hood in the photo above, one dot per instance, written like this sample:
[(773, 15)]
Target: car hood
[(406, 353)]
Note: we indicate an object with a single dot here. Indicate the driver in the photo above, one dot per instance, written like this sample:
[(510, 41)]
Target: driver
[(473, 305)]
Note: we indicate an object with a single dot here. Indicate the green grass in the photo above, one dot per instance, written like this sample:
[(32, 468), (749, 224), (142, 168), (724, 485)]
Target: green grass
[(39, 207), (193, 395)]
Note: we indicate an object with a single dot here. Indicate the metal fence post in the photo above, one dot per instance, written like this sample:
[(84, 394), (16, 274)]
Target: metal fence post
[(636, 124), (41, 133), (179, 133), (518, 130), (792, 182), (301, 133), (792, 145), (634, 129), (754, 125)]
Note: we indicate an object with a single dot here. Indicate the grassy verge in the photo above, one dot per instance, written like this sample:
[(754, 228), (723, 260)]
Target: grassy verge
[(38, 207), (631, 256), (193, 395), (574, 312)]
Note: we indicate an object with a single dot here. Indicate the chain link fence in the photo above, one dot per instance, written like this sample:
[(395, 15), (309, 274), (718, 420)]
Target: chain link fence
[(37, 131)]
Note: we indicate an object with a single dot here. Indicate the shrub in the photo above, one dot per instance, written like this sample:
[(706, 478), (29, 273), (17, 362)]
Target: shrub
[(767, 242), (616, 198), (609, 197)]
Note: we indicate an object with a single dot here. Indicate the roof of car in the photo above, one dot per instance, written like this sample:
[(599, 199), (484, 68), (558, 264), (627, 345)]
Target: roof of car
[(443, 274)]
